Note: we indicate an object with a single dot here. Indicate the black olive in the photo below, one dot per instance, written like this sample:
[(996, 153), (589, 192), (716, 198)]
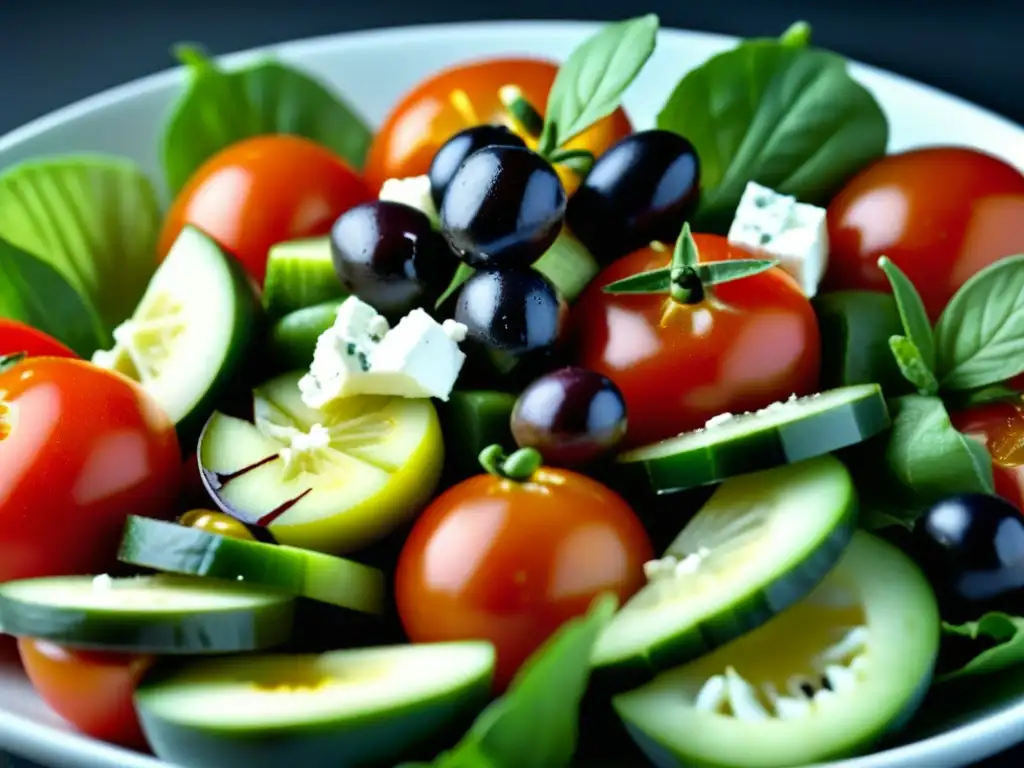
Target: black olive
[(460, 146), (503, 209), (971, 547), (390, 256), (641, 190)]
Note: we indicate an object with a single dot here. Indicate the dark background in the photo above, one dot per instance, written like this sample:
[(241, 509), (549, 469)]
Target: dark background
[(53, 53)]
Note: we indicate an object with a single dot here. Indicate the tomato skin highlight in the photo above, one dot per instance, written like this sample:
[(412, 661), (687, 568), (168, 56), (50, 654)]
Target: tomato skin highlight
[(1000, 428), (81, 448), (18, 337), (93, 691), (263, 191), (426, 117), (753, 342), (509, 562), (941, 214)]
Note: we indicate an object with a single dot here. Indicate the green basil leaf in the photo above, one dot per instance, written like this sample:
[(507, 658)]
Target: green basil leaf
[(928, 456), (980, 334), (786, 117), (912, 312), (912, 365), (221, 107), (462, 273), (590, 84), (536, 722), (718, 272), (1000, 641), (33, 292), (995, 393), (655, 281), (94, 219)]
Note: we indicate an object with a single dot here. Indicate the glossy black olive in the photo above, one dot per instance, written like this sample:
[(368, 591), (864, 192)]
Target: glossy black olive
[(573, 416), (641, 190), (971, 547), (511, 315), (460, 146), (390, 256), (503, 209)]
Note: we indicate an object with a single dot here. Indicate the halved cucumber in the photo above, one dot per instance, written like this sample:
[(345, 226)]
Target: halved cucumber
[(759, 544), (190, 332), (292, 339), (370, 706), (147, 614), (180, 549), (783, 433), (330, 481), (823, 680), (300, 273)]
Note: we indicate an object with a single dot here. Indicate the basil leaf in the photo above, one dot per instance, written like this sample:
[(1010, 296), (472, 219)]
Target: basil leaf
[(912, 365), (94, 219), (786, 117), (928, 456), (536, 722), (220, 108), (590, 84), (33, 292), (980, 334), (912, 313), (462, 273), (654, 281), (995, 393), (1001, 640)]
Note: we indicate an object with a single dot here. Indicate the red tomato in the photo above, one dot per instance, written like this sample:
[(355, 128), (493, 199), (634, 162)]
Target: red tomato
[(462, 96), (17, 337), (509, 561), (1000, 428), (749, 343), (263, 191), (92, 691), (940, 214), (81, 448)]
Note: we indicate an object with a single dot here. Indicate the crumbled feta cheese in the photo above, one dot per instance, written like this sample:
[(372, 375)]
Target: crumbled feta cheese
[(103, 581), (780, 227), (414, 192), (360, 355)]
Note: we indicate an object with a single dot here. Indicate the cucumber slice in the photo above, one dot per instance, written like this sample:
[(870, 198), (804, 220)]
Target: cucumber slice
[(759, 544), (180, 549), (371, 706), (328, 481), (472, 420), (147, 614), (292, 339), (300, 273), (783, 433), (568, 265), (871, 629), (190, 332)]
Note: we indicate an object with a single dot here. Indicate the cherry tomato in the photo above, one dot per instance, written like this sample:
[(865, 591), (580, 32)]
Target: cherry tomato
[(466, 95), (81, 448), (749, 343), (92, 691), (263, 191), (509, 562), (1000, 428), (940, 214), (17, 337)]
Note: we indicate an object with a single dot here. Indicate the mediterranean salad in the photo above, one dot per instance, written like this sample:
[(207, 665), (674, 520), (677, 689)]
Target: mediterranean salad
[(507, 434)]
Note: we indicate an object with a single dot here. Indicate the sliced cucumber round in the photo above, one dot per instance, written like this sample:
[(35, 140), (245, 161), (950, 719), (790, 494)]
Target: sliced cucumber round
[(330, 481), (148, 614), (180, 549), (190, 332), (783, 433), (759, 544), (372, 706), (300, 273), (822, 681)]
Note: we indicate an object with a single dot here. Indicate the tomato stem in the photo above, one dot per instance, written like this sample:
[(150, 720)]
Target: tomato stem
[(9, 361), (523, 113), (685, 285), (519, 467)]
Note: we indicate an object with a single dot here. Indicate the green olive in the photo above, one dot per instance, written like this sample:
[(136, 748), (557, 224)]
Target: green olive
[(216, 522)]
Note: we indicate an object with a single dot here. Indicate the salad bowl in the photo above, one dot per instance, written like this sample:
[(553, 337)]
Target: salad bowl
[(372, 70)]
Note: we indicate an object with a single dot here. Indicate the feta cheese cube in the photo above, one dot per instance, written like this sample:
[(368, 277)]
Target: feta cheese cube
[(781, 228), (414, 192), (361, 355)]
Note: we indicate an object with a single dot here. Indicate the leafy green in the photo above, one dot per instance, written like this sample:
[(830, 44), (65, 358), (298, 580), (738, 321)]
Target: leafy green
[(35, 293), (710, 273), (913, 316), (1001, 637), (995, 393), (222, 107), (980, 334), (462, 273), (94, 219), (913, 366), (781, 115), (536, 722), (590, 84)]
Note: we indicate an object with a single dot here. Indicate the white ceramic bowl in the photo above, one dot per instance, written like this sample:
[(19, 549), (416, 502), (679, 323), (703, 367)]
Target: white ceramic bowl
[(372, 69)]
